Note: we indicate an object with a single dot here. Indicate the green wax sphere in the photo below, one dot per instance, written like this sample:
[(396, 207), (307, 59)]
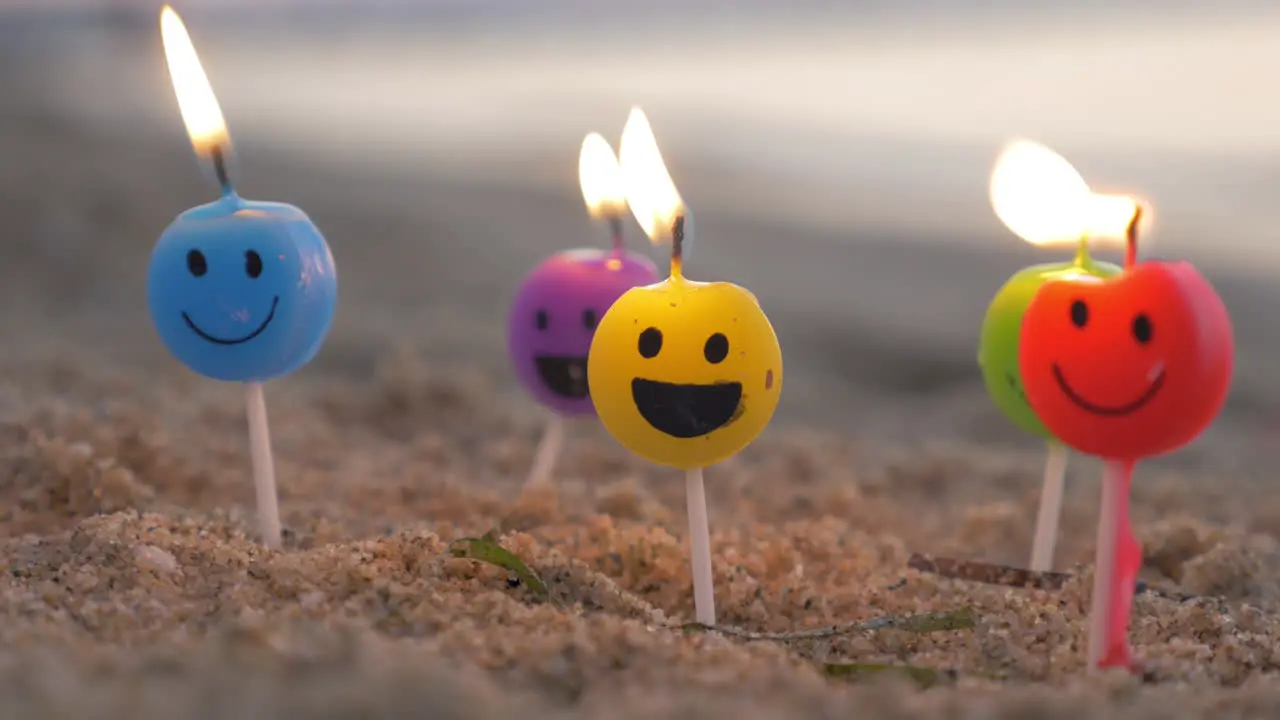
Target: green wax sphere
[(998, 343)]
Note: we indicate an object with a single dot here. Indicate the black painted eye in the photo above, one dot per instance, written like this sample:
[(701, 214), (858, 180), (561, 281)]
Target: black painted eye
[(252, 263), (650, 342), (1079, 314), (589, 319), (541, 320), (196, 264), (716, 349), (1142, 329)]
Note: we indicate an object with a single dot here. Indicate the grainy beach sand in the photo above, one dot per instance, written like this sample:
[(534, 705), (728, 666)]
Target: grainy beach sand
[(135, 588)]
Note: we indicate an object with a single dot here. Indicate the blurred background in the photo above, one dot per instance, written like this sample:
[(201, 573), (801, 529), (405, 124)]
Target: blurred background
[(836, 155)]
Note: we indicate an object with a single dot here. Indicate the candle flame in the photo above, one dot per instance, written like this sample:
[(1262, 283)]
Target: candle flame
[(601, 178), (196, 101), (650, 191), (1042, 199)]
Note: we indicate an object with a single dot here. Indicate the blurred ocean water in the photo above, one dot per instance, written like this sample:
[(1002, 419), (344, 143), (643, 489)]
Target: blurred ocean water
[(871, 115)]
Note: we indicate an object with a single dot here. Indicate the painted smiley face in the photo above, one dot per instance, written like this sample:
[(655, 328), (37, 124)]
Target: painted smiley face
[(241, 290), (1001, 330), (684, 373), (1129, 367), (554, 316)]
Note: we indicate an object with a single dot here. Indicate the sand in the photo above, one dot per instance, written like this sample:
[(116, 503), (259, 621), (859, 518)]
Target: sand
[(136, 588)]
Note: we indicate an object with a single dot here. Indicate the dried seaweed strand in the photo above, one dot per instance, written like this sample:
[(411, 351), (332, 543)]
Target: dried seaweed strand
[(962, 619), (988, 573), (992, 574), (486, 549)]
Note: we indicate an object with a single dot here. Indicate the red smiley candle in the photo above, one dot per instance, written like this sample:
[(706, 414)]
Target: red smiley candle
[(1124, 368)]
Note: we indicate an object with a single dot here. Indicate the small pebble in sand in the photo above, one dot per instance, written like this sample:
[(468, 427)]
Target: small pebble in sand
[(159, 560)]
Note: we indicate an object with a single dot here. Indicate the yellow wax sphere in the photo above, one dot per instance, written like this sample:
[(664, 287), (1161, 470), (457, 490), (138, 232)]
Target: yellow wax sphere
[(685, 373)]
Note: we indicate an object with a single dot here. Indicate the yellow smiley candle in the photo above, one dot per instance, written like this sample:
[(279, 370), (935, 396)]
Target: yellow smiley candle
[(682, 373)]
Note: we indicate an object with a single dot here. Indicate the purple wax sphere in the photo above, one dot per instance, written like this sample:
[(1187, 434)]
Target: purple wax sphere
[(554, 316)]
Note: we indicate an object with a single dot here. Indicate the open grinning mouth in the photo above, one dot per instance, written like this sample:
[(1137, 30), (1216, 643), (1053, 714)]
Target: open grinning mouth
[(1113, 411), (234, 341), (564, 376), (687, 411)]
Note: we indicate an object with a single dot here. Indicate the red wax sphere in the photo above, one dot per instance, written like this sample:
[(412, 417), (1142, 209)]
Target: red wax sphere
[(1127, 367)]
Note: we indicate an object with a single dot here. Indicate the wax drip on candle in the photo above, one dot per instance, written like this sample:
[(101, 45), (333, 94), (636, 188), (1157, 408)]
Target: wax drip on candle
[(1114, 650)]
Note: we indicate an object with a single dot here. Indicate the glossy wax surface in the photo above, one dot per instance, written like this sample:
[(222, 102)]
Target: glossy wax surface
[(554, 316), (1002, 328), (1130, 367), (685, 373), (241, 290)]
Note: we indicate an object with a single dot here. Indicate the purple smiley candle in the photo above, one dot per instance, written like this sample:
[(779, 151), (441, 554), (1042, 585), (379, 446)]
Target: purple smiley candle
[(553, 317)]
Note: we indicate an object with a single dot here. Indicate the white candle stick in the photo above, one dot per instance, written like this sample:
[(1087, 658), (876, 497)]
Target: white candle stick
[(704, 599), (1055, 468), (548, 452), (264, 473)]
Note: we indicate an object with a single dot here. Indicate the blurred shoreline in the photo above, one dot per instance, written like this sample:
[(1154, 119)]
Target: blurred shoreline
[(827, 126), (874, 252)]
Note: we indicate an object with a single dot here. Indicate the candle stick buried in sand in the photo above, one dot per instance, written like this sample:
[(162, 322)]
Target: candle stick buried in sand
[(683, 373), (1025, 178), (1123, 368), (559, 303), (239, 290)]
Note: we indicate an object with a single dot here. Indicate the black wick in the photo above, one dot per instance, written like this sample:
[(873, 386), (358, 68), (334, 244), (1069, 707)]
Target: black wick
[(1131, 237), (220, 169), (677, 239)]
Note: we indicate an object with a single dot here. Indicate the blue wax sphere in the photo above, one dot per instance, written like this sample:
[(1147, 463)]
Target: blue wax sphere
[(241, 290)]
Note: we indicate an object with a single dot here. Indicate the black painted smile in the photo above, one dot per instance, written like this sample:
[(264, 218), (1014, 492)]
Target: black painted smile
[(686, 411), (563, 375), (1114, 411), (234, 341)]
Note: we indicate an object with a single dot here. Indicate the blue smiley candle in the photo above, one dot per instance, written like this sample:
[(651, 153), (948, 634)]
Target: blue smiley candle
[(239, 290)]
